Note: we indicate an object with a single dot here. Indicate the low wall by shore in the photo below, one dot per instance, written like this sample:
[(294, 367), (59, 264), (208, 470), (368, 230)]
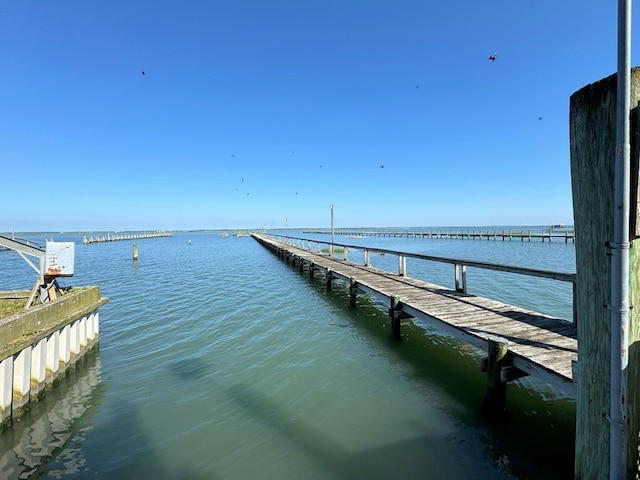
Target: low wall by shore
[(38, 345)]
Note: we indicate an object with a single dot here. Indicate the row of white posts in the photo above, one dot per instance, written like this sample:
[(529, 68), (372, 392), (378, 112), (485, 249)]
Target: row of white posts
[(25, 374)]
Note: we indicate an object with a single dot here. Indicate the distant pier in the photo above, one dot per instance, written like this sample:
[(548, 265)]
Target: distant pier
[(547, 234), (126, 236)]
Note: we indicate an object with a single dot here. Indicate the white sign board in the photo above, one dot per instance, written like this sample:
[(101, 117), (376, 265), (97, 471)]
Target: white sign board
[(59, 258)]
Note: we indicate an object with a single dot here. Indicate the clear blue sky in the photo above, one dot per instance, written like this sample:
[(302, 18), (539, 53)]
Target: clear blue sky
[(253, 113)]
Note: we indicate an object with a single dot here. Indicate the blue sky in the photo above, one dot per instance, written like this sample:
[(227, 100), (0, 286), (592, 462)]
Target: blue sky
[(255, 113)]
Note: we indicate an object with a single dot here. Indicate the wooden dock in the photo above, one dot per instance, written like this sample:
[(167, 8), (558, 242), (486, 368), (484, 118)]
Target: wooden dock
[(519, 342), (123, 236), (546, 235)]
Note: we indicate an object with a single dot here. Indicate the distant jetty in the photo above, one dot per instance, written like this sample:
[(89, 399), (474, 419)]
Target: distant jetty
[(126, 236)]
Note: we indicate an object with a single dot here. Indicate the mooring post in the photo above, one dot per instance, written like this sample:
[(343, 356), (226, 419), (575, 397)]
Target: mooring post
[(593, 148), (329, 278), (135, 251), (496, 399)]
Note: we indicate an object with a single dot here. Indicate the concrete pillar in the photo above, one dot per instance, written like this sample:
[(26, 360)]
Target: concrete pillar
[(53, 356), (21, 379), (65, 348), (82, 334), (74, 340), (38, 367), (6, 389)]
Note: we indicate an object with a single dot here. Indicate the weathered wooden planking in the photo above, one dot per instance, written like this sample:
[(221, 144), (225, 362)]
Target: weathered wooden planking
[(539, 344)]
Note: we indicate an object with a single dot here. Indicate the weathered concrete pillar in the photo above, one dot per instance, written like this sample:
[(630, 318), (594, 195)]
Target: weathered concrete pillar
[(82, 333), (592, 129), (6, 389), (21, 380), (74, 340), (53, 356), (65, 347), (38, 367)]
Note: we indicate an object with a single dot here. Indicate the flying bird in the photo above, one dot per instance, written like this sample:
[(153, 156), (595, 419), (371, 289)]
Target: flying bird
[(144, 73), (493, 57), (539, 118)]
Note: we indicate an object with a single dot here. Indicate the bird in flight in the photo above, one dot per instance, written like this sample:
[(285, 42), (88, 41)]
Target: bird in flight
[(539, 118), (493, 57), (144, 73), (381, 166)]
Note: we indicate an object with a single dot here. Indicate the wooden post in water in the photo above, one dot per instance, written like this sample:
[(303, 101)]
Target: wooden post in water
[(395, 314), (135, 252), (353, 291), (592, 132), (496, 399)]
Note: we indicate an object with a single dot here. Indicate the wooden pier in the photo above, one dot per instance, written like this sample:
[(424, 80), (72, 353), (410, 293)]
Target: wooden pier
[(546, 235), (123, 236), (518, 342)]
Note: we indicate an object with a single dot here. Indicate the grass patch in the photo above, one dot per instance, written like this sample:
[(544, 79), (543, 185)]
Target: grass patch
[(11, 306)]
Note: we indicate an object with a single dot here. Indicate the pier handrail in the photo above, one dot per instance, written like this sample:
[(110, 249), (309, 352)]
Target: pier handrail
[(460, 264)]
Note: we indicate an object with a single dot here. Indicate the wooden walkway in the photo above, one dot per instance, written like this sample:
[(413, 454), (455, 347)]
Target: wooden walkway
[(537, 344)]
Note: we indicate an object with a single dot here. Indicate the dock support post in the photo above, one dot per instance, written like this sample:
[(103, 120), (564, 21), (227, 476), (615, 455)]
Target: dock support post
[(395, 314), (135, 252), (329, 278), (496, 399), (353, 291)]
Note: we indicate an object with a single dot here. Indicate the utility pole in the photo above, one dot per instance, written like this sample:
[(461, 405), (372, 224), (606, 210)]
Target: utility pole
[(332, 236)]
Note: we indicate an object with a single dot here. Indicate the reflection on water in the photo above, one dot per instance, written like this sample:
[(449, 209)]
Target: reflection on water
[(31, 446)]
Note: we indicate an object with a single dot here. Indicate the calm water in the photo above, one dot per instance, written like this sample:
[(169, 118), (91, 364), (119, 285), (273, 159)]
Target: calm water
[(219, 361)]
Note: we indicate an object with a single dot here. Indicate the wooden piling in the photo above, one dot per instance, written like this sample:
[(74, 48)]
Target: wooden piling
[(592, 131), (496, 398), (135, 252), (395, 316), (353, 291)]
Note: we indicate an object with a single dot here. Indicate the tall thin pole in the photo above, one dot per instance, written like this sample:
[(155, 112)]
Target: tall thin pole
[(620, 253), (331, 249)]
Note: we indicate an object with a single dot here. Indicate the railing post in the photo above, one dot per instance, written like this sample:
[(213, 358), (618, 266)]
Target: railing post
[(402, 266), (460, 273), (346, 253), (367, 259)]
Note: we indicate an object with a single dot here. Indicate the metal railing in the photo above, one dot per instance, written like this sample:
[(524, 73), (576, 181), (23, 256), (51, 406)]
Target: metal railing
[(459, 264)]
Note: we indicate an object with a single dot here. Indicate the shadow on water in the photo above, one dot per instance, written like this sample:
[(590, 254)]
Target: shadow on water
[(384, 462), (537, 433)]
